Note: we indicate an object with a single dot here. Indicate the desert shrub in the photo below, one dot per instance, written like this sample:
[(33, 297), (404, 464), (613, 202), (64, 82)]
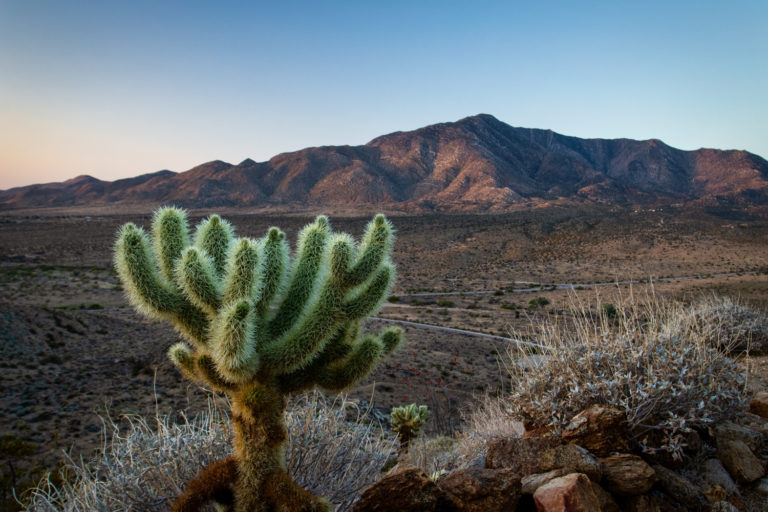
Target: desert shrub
[(445, 303), (538, 302), (728, 325), (666, 379), (145, 465)]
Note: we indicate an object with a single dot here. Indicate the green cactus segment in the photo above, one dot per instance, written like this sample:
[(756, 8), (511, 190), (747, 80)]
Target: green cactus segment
[(137, 268), (276, 262), (242, 272), (263, 325), (195, 275), (214, 236), (170, 234), (305, 276), (235, 353), (369, 298), (375, 248)]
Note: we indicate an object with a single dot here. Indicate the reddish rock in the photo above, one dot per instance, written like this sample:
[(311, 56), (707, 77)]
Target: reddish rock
[(527, 456), (627, 475), (409, 490), (740, 462), (759, 404), (569, 493), (483, 490), (599, 429)]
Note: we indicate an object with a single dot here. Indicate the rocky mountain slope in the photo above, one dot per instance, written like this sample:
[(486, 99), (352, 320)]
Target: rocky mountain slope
[(476, 163)]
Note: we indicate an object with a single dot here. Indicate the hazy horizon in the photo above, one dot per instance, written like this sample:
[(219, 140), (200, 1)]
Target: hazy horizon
[(120, 90)]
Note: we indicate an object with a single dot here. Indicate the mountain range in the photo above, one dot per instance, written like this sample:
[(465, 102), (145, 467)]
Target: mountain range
[(476, 163)]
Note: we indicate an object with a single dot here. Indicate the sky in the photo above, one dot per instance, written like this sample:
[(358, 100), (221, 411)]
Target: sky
[(116, 89)]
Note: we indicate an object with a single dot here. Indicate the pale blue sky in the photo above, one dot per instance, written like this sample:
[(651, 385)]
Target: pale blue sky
[(116, 89)]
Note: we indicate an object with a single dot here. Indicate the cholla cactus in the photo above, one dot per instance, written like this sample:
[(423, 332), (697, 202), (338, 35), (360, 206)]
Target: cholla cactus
[(407, 422), (260, 326)]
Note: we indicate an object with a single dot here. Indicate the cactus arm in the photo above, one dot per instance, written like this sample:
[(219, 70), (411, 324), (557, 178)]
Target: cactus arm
[(276, 262), (391, 338), (195, 274), (206, 371), (369, 298), (147, 290), (305, 276), (214, 235), (170, 234), (360, 362), (242, 272), (233, 351), (376, 245), (307, 337), (184, 359)]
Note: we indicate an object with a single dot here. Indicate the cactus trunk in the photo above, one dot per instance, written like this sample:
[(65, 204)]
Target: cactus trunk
[(263, 483)]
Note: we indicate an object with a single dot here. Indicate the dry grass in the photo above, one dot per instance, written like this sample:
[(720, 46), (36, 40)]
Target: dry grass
[(145, 466), (649, 358)]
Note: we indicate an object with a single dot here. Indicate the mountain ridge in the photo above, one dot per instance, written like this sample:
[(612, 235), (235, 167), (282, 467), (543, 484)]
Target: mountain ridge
[(475, 163)]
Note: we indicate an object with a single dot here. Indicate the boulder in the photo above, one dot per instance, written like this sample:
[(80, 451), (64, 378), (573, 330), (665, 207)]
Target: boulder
[(408, 490), (600, 429), (680, 488), (607, 503), (482, 490), (530, 483), (740, 462), (527, 456), (627, 475), (569, 493), (723, 506), (714, 473), (730, 431), (762, 486), (759, 404)]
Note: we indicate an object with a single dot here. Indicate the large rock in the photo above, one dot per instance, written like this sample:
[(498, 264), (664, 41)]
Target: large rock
[(730, 431), (529, 484), (409, 490), (483, 490), (740, 462), (627, 475), (714, 473), (680, 488), (600, 429), (759, 404), (569, 493), (607, 503), (541, 454)]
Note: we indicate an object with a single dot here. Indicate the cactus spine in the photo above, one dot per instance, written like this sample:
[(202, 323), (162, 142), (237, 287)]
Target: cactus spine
[(260, 326)]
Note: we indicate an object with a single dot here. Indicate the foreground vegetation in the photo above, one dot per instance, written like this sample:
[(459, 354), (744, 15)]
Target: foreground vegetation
[(671, 368)]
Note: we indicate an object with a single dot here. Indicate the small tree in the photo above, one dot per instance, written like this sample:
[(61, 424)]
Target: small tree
[(261, 326)]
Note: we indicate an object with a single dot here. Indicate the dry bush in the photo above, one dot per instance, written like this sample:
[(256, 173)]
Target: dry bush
[(645, 359), (729, 324), (144, 467)]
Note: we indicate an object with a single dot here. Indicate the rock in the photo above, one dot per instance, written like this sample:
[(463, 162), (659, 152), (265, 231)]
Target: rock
[(530, 483), (714, 493), (409, 490), (680, 488), (762, 486), (569, 493), (755, 422), (607, 503), (714, 473), (627, 475), (599, 429), (641, 504), (730, 431), (526, 456), (740, 462), (723, 506), (759, 404), (483, 490)]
